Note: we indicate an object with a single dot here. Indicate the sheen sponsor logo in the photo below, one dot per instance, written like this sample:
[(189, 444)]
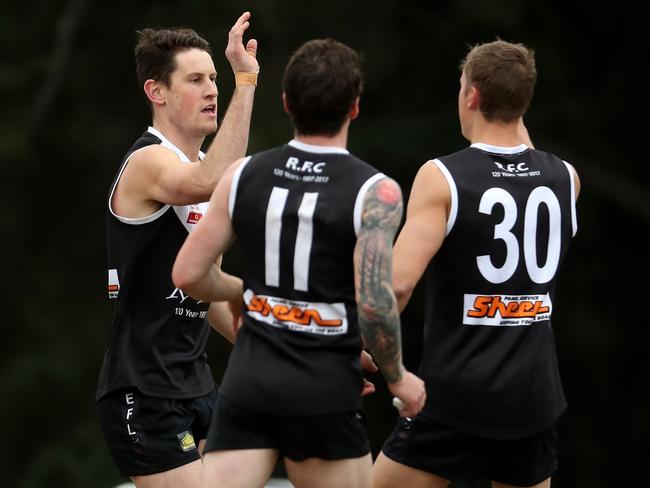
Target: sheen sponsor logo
[(316, 318), (506, 310)]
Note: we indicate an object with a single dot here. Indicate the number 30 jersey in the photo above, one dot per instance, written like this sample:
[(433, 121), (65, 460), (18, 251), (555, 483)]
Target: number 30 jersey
[(296, 211), (490, 363)]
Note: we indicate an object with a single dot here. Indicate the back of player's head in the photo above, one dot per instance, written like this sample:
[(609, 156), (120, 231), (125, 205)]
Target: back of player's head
[(321, 82), (156, 49), (504, 75)]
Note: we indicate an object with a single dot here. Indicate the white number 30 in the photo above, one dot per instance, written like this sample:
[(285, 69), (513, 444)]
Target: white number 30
[(543, 274)]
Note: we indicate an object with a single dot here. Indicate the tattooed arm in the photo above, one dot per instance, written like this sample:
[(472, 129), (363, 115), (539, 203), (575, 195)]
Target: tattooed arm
[(377, 307)]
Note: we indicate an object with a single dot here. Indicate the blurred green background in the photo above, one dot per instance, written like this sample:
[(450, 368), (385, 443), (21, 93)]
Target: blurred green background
[(71, 107)]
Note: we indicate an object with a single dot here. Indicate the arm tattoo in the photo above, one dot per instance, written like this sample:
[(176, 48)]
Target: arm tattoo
[(378, 314)]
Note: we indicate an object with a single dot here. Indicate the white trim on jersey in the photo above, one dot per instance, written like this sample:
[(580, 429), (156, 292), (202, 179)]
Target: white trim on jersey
[(273, 230), (574, 216), (233, 186), (127, 220), (499, 149), (168, 144), (318, 149), (453, 207), (358, 204), (181, 210)]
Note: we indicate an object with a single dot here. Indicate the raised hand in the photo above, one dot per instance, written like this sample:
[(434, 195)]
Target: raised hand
[(242, 59)]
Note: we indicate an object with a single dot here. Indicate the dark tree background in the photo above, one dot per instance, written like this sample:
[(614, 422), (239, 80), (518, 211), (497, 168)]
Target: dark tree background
[(71, 107)]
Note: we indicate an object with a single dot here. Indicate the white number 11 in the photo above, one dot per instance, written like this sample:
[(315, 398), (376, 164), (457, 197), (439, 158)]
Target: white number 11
[(273, 231)]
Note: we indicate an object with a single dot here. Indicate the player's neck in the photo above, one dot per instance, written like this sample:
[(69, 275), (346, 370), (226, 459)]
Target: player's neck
[(340, 139), (189, 145), (499, 134)]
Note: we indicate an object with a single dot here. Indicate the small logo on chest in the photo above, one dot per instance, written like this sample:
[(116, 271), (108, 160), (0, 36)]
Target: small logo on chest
[(194, 215)]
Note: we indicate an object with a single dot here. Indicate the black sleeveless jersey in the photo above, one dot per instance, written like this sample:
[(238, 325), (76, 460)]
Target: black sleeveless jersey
[(158, 336), (489, 358), (296, 211)]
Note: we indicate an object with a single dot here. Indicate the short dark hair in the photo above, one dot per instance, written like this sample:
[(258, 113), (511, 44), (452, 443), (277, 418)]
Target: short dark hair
[(321, 81), (504, 75), (156, 49)]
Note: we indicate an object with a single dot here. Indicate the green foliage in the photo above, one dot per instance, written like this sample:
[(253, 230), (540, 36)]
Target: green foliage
[(71, 107)]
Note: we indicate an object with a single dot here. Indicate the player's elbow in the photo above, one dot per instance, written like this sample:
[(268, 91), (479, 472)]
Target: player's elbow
[(182, 277), (403, 289)]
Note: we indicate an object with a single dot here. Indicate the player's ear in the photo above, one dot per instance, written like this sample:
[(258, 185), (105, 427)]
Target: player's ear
[(155, 92), (473, 99), (285, 104), (354, 109)]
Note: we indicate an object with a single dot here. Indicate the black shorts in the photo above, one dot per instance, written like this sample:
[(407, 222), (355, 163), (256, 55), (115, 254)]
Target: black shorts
[(430, 446), (326, 436), (148, 435)]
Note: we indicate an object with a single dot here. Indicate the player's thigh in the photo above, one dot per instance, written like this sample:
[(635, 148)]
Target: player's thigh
[(387, 473), (238, 468), (544, 484), (186, 476), (319, 473)]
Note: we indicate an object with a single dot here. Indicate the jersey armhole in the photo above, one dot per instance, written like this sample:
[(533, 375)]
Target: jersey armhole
[(453, 207), (127, 220), (574, 216), (234, 184), (361, 195)]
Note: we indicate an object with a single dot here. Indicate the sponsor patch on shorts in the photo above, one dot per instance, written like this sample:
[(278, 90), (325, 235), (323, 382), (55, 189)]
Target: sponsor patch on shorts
[(187, 441), (506, 310)]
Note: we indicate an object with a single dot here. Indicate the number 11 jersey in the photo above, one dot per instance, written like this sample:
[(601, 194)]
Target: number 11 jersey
[(296, 212)]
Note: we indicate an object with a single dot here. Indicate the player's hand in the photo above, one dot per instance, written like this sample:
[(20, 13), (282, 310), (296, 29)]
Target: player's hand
[(368, 388), (367, 363), (242, 59), (411, 393)]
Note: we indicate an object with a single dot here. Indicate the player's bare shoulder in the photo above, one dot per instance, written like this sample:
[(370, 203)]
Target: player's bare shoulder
[(134, 195), (383, 205), (150, 157), (430, 185)]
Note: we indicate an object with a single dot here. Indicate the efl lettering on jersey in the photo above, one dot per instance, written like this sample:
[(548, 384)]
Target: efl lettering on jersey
[(315, 318), (506, 310)]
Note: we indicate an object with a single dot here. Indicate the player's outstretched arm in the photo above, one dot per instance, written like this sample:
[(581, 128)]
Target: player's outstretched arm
[(231, 140), (221, 319), (164, 178), (196, 269), (377, 308)]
